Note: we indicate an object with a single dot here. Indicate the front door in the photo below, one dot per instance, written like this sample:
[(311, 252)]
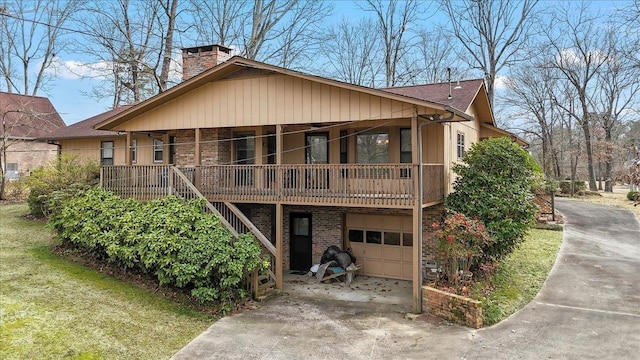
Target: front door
[(244, 154), (300, 242)]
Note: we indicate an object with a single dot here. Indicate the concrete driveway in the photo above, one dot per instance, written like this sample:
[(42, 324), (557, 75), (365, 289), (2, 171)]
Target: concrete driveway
[(589, 307)]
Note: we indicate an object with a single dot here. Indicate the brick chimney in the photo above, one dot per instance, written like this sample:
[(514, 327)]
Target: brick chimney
[(195, 60)]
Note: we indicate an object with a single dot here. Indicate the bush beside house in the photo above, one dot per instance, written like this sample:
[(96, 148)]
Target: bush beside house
[(172, 239), (61, 179), (489, 213), (495, 185)]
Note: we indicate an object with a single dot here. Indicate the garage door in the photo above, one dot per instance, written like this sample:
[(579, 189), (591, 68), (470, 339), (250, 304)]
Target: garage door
[(383, 245)]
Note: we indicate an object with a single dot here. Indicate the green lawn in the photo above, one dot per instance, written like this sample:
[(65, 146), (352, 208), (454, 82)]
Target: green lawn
[(54, 308), (521, 275)]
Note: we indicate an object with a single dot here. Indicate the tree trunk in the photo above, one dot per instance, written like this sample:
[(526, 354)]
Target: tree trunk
[(587, 139)]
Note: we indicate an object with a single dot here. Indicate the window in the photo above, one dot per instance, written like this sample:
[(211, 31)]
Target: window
[(158, 151), (407, 239), (245, 149), (12, 171), (317, 149), (405, 146), (374, 237), (134, 151), (356, 236), (106, 153), (344, 145), (460, 145), (391, 238), (372, 148)]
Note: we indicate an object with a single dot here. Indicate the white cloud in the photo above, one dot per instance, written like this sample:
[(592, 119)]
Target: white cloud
[(571, 58), (501, 82), (73, 69)]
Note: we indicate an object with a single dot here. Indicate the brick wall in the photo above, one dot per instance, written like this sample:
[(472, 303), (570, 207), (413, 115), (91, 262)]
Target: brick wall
[(213, 151), (197, 60), (326, 229), (185, 147), (455, 308), (30, 155)]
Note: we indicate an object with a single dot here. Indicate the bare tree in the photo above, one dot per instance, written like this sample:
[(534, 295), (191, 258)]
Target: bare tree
[(493, 32), (394, 18), (31, 34), (356, 60), (531, 90), (218, 21), (280, 32), (431, 56), (617, 93), (579, 49), (131, 43)]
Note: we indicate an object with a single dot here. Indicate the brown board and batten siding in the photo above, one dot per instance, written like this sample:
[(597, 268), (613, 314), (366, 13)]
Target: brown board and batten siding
[(267, 100)]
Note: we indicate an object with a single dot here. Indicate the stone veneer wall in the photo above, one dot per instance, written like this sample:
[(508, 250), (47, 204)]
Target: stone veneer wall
[(455, 308)]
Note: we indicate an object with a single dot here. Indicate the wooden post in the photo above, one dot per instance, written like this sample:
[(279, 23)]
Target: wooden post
[(417, 217), (279, 236), (197, 158), (127, 149)]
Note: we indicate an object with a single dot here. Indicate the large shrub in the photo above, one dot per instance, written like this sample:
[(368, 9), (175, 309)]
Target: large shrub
[(494, 184), (170, 238), (61, 179)]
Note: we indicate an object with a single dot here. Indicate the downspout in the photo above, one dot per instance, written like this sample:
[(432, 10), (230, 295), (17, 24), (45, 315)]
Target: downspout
[(420, 196), (431, 121)]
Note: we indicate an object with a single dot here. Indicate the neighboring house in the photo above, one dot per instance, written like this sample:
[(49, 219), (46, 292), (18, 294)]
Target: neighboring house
[(305, 162), (24, 119), (102, 146)]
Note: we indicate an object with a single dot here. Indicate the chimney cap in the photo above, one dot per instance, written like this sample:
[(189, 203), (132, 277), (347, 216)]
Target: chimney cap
[(206, 48)]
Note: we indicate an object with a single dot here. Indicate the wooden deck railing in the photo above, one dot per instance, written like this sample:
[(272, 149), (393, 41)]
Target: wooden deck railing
[(373, 185)]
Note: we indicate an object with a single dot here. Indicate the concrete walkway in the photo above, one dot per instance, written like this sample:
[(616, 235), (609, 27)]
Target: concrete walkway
[(589, 308)]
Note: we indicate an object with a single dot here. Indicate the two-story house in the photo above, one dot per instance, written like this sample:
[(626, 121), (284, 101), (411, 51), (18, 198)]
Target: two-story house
[(303, 161)]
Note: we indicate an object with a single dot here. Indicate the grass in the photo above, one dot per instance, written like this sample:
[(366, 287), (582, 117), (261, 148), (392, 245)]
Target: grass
[(618, 198), (54, 308), (520, 276)]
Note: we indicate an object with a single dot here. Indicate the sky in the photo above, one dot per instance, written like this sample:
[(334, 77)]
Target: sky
[(68, 90)]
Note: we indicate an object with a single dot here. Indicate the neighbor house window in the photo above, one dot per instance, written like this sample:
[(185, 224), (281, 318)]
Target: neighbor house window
[(158, 151), (372, 148), (460, 146), (106, 153), (12, 172), (134, 151)]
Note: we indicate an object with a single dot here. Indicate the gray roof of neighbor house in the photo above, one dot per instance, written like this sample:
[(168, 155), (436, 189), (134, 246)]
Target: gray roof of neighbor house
[(84, 129), (28, 117)]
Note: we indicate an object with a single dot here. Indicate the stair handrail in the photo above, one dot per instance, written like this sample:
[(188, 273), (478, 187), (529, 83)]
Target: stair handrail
[(208, 204), (254, 230)]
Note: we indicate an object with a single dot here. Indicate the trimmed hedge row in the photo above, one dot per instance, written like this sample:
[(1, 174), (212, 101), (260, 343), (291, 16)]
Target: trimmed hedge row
[(170, 238)]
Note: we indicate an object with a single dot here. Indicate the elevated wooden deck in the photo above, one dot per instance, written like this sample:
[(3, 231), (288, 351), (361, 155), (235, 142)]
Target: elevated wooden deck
[(353, 185)]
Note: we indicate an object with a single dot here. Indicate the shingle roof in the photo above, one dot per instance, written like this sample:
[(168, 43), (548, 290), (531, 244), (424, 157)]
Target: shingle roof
[(27, 116), (461, 98), (84, 128)]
